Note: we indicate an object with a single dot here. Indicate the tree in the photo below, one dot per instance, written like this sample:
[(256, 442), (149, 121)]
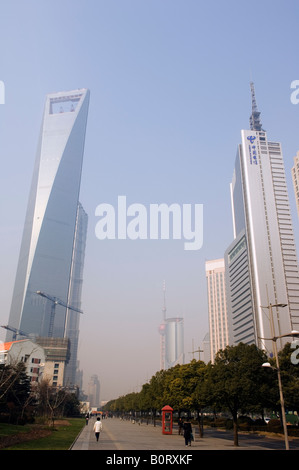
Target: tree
[(235, 379), (156, 392), (199, 395), (14, 390), (289, 377)]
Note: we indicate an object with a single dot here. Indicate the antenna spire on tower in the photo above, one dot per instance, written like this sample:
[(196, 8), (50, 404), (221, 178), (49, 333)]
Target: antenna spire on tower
[(164, 303), (255, 122)]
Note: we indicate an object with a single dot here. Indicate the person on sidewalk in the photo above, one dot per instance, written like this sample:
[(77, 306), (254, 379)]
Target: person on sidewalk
[(187, 432), (97, 428), (180, 425)]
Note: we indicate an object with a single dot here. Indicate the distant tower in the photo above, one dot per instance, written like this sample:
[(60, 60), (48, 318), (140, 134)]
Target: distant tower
[(94, 391), (171, 340), (162, 331)]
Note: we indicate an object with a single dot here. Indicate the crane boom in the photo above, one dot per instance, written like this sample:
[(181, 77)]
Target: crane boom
[(15, 331), (58, 301), (55, 301)]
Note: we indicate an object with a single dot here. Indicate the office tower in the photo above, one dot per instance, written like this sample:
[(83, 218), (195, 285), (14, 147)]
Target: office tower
[(171, 340), (295, 177), (94, 391), (218, 325), (262, 221), (53, 240)]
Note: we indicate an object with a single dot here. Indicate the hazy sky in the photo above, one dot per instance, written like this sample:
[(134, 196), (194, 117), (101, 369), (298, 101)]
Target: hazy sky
[(169, 83)]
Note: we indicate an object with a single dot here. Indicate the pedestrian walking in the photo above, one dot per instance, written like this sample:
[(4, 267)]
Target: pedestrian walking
[(187, 432), (181, 425), (97, 428)]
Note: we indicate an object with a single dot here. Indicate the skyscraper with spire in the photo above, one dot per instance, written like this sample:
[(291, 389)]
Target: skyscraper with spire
[(261, 263)]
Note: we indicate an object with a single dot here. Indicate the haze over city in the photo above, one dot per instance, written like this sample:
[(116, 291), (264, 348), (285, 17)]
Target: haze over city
[(169, 94)]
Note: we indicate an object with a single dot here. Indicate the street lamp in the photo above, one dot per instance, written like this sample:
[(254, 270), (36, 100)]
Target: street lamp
[(267, 364)]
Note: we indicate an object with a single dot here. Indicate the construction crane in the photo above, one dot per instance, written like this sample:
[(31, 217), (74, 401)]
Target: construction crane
[(15, 331), (55, 301)]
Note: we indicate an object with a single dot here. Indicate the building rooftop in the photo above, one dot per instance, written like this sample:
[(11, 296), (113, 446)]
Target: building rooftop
[(4, 347)]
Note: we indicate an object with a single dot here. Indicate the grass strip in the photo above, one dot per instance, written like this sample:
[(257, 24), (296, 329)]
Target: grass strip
[(60, 437)]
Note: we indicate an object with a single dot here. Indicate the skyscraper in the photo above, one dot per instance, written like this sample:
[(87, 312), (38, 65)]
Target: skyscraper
[(94, 391), (218, 324), (263, 225), (52, 248)]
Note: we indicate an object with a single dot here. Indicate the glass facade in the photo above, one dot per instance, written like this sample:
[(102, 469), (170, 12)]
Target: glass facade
[(50, 247), (239, 298)]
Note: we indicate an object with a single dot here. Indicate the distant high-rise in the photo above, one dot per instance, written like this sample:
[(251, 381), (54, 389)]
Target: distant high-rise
[(94, 391), (171, 340), (295, 177), (53, 243), (218, 324), (263, 232)]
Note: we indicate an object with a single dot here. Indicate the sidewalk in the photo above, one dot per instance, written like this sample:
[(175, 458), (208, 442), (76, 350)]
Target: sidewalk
[(121, 435)]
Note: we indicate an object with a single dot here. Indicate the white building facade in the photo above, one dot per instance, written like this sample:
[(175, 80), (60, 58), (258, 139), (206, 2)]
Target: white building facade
[(27, 352), (218, 322)]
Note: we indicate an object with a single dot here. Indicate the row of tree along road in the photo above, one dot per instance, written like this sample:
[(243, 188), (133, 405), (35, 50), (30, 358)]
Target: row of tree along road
[(235, 384)]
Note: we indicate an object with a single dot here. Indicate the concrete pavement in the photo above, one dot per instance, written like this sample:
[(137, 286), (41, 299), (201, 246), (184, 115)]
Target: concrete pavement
[(119, 435)]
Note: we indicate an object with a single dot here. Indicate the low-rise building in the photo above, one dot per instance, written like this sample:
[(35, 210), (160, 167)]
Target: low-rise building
[(57, 354), (31, 354)]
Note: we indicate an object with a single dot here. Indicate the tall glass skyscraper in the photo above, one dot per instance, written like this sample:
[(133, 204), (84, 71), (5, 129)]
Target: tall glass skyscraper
[(264, 241), (52, 249)]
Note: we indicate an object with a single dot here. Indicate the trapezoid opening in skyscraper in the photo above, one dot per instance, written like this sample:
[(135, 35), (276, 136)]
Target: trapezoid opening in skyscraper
[(47, 293)]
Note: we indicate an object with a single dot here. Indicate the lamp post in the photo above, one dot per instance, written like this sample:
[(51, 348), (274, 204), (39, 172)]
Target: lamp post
[(267, 364)]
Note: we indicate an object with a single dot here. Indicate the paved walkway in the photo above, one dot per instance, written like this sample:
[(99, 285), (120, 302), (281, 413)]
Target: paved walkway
[(118, 435)]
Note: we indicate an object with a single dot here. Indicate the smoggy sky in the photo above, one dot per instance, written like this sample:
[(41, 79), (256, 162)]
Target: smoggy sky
[(169, 83)]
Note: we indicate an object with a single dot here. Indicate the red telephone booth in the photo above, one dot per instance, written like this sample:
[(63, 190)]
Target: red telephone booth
[(167, 420)]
